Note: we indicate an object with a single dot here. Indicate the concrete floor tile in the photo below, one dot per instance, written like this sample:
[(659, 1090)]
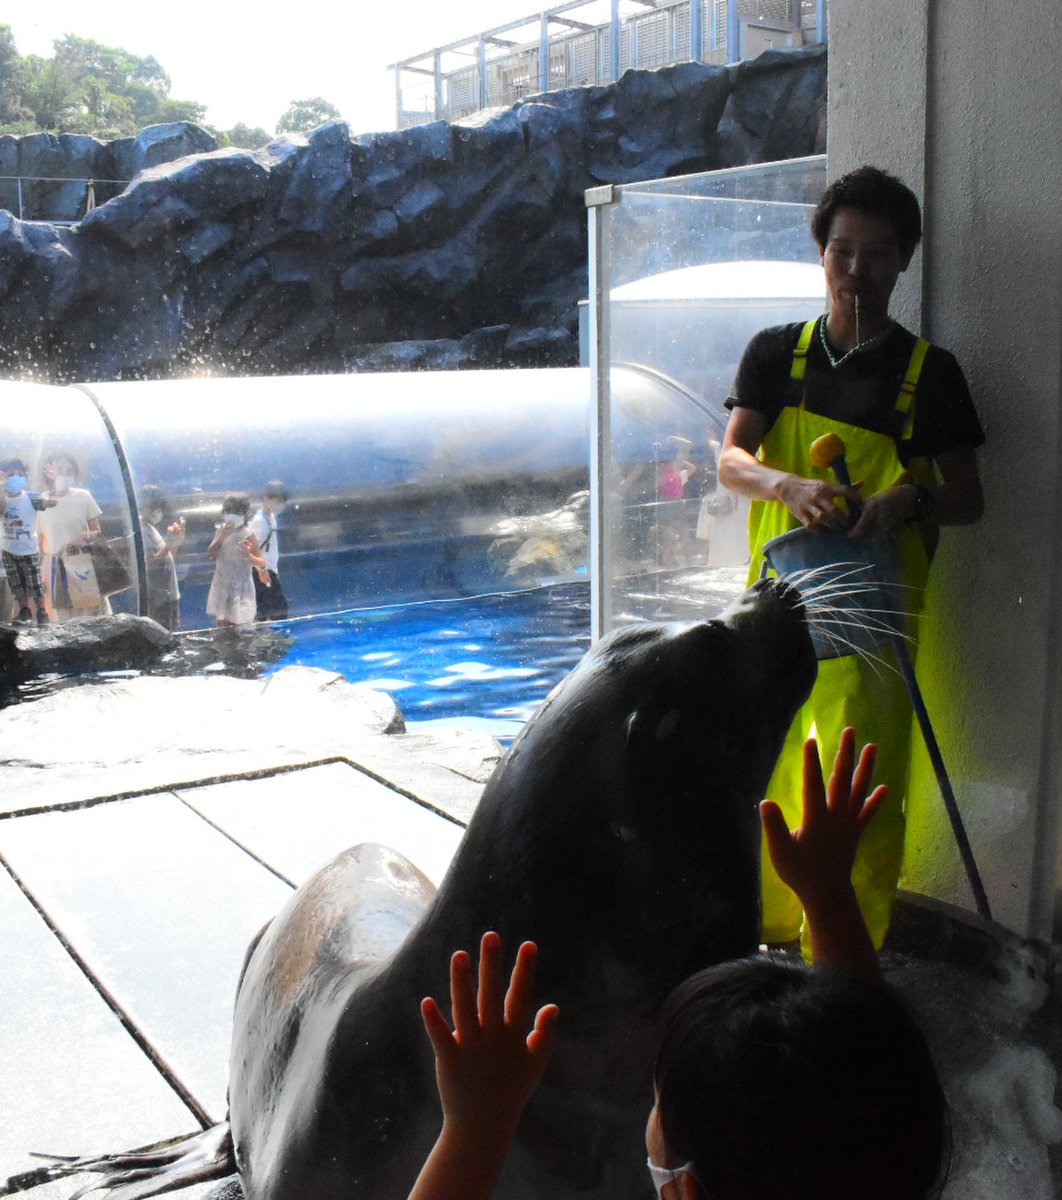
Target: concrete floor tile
[(72, 1079), (161, 907), (300, 820)]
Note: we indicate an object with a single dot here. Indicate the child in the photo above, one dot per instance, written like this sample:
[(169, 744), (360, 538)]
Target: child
[(231, 599), (20, 547), (773, 1082), (271, 603), (163, 593)]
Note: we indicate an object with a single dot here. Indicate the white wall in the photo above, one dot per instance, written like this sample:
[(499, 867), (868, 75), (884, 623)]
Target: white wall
[(963, 100)]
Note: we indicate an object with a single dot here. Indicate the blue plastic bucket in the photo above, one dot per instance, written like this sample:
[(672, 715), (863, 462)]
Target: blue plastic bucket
[(854, 598)]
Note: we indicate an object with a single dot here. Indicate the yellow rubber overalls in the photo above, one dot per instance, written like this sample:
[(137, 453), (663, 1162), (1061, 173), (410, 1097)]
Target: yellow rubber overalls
[(849, 691)]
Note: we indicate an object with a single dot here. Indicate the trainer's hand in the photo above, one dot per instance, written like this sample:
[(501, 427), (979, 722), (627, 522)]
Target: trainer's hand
[(813, 502)]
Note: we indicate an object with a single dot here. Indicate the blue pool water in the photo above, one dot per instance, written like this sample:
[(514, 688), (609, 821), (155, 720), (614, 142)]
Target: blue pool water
[(484, 662)]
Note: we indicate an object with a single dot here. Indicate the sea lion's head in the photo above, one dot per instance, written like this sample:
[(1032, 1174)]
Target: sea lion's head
[(666, 707), (636, 787)]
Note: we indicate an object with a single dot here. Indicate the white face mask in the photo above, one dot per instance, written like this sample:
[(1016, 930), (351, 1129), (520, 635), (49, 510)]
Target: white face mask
[(63, 483), (154, 516), (277, 508), (232, 518)]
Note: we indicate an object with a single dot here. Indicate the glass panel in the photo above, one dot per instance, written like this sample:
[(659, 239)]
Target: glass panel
[(402, 486), (698, 265), (41, 423)]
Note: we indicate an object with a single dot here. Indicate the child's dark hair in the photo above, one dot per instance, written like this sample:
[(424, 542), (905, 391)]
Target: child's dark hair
[(153, 497), (13, 464), (783, 1083), (237, 502), (871, 190), (66, 456)]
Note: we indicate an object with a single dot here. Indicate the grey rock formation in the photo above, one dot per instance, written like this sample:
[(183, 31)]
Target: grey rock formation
[(435, 246), (45, 162), (90, 645)]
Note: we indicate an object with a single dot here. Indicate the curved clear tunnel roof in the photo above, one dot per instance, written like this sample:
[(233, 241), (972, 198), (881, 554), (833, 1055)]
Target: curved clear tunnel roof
[(744, 280), (352, 431)]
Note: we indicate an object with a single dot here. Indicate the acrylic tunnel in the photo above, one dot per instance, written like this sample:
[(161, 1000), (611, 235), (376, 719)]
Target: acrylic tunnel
[(402, 486)]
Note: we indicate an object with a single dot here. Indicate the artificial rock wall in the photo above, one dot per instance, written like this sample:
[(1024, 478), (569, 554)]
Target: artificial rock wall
[(438, 246), (43, 176)]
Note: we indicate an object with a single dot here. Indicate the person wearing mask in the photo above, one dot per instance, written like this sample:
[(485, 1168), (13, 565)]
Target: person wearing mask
[(66, 528), (270, 602)]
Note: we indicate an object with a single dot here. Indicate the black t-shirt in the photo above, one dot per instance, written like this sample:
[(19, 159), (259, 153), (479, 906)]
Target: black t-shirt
[(863, 390)]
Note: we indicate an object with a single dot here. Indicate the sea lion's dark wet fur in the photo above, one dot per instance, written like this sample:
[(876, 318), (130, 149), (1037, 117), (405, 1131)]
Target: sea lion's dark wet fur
[(620, 832)]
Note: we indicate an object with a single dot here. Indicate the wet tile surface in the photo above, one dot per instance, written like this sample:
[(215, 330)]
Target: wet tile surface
[(72, 1079), (298, 821), (161, 907)]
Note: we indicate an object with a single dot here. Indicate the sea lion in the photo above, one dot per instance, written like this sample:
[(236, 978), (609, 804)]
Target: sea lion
[(620, 832)]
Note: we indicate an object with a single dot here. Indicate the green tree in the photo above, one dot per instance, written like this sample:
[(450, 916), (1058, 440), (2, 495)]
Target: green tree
[(11, 107), (51, 91), (248, 137), (304, 115), (181, 110), (87, 87)]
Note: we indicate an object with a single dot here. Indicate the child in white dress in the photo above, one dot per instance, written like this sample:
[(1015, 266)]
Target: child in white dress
[(232, 599)]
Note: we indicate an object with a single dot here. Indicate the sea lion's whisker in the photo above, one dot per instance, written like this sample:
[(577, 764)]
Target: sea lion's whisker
[(829, 574), (883, 619), (879, 620), (833, 588), (839, 642)]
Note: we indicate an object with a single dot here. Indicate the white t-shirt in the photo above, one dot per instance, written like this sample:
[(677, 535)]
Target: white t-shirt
[(260, 525), (19, 532), (68, 520)]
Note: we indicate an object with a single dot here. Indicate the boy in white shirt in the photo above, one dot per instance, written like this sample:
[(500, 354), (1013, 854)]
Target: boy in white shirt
[(270, 602), (18, 541)]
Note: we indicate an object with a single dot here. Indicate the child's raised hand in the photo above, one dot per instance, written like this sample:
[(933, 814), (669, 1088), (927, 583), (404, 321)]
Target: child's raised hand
[(490, 1063), (816, 859)]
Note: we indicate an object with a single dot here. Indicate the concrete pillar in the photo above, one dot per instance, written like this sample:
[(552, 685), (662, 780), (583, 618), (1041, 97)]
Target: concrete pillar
[(961, 99)]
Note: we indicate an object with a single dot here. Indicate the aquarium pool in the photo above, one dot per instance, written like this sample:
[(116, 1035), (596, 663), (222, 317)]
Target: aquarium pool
[(483, 662)]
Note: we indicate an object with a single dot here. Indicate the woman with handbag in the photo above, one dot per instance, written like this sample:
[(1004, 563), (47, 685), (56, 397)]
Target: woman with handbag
[(66, 529)]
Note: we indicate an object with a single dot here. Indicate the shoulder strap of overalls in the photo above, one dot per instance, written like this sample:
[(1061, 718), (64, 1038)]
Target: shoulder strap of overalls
[(905, 400), (800, 351)]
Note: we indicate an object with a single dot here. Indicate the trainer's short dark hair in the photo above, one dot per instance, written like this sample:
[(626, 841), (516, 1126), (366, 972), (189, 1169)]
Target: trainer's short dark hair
[(275, 490), (871, 190)]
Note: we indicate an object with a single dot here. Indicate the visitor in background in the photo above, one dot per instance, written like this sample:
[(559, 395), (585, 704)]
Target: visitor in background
[(65, 529), (270, 602), (18, 540), (903, 412), (163, 594), (235, 548)]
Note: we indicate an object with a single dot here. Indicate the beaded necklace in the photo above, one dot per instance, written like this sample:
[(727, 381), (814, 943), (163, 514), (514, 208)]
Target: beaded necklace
[(867, 344)]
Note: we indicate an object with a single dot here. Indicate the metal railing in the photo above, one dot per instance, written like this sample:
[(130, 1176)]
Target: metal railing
[(55, 195), (503, 73)]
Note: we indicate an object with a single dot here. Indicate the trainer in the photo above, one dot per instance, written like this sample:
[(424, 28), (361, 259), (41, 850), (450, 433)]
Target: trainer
[(903, 409)]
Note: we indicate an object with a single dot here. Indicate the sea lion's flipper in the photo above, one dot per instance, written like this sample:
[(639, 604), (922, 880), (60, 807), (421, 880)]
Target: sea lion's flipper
[(138, 1174)]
